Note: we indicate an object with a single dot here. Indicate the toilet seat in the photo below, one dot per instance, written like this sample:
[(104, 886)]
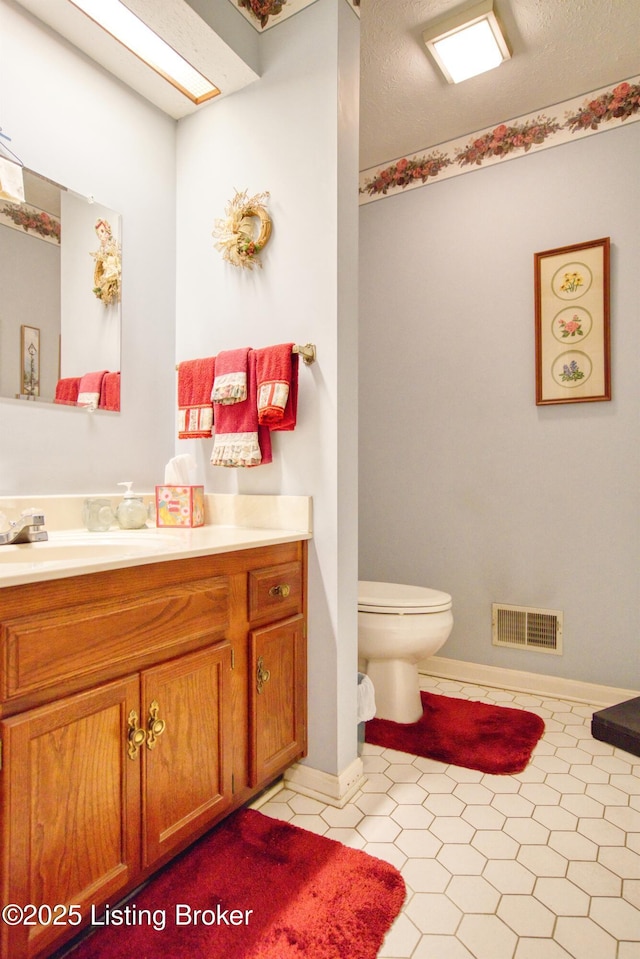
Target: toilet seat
[(399, 599)]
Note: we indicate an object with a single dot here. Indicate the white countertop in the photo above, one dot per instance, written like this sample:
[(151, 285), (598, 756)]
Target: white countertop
[(75, 551)]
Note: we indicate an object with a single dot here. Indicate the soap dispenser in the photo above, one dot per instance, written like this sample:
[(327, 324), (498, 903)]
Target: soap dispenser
[(131, 513)]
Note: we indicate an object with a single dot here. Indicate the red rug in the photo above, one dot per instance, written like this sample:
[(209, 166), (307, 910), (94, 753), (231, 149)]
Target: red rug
[(268, 890), (493, 739)]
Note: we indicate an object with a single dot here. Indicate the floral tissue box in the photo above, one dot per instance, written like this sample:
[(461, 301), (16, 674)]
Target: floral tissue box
[(180, 505)]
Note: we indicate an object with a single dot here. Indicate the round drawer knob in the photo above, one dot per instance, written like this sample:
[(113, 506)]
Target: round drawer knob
[(281, 590)]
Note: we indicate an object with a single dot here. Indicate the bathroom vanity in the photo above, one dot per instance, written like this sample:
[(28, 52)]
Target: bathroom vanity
[(139, 704)]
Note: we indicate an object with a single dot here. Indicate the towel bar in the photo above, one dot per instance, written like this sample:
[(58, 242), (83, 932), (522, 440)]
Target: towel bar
[(307, 352)]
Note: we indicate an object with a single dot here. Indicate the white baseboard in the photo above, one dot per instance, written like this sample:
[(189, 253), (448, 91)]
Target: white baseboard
[(523, 682), (327, 788), (268, 794)]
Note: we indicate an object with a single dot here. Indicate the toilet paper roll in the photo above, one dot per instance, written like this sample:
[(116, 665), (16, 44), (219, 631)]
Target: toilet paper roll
[(366, 699)]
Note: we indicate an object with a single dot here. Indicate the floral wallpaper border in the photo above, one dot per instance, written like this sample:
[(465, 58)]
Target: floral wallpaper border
[(30, 219), (263, 14), (600, 110)]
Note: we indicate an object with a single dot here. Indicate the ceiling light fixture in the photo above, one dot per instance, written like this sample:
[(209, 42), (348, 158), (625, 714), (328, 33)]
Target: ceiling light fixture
[(469, 43), (125, 27)]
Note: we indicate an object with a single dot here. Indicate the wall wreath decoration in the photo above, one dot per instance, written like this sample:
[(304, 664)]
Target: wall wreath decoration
[(108, 265), (245, 230)]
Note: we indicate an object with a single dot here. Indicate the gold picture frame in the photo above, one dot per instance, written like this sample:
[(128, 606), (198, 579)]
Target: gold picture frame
[(29, 361), (572, 324)]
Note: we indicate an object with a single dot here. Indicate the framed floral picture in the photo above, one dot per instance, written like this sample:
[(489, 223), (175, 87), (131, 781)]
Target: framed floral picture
[(573, 356), (29, 361)]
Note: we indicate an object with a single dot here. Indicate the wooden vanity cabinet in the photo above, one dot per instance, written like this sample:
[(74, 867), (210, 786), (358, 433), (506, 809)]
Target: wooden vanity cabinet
[(186, 764), (277, 670), (71, 808), (132, 720)]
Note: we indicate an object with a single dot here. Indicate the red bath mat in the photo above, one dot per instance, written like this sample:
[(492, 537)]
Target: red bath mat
[(265, 890), (492, 739)]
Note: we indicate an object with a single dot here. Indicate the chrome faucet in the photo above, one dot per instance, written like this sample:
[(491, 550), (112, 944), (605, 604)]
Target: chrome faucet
[(27, 529)]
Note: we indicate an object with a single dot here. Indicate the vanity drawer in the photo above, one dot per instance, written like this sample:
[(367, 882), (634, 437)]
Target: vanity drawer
[(114, 636), (275, 591)]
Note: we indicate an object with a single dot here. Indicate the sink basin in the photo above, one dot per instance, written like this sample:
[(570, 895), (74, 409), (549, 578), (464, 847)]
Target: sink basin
[(81, 547)]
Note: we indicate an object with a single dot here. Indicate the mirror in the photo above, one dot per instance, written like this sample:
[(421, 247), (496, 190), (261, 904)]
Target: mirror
[(60, 315)]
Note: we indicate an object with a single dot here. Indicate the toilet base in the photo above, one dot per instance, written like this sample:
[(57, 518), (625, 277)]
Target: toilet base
[(397, 690)]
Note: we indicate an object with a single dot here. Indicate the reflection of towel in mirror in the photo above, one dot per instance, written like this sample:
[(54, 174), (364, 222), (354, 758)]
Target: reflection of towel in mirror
[(239, 439), (230, 383), (195, 409), (277, 373), (110, 392), (67, 390), (89, 389)]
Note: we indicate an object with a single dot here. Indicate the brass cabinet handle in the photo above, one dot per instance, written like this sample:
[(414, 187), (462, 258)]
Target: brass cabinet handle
[(282, 590), (156, 726), (262, 675), (136, 735)]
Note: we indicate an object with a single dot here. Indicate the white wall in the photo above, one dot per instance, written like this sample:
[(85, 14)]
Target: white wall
[(294, 133), (465, 484), (70, 120), (23, 302)]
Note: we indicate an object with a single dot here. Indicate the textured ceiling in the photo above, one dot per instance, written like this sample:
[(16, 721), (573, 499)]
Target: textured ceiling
[(560, 49), (207, 39)]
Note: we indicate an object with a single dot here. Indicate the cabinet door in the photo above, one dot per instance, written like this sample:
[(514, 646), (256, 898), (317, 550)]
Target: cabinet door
[(71, 808), (278, 697), (187, 755)]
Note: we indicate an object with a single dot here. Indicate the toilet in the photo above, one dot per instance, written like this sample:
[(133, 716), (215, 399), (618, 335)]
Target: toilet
[(398, 627)]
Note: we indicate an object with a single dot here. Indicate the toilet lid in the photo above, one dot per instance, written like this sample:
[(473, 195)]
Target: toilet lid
[(398, 598)]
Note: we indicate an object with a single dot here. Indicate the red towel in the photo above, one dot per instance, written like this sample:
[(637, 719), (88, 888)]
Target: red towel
[(195, 409), (239, 438), (277, 373), (89, 389), (230, 383), (67, 390), (110, 392)]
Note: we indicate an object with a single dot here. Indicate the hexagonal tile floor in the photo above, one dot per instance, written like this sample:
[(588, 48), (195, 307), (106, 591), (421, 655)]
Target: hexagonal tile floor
[(541, 865)]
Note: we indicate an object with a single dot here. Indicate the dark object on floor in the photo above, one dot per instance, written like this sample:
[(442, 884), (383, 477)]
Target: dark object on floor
[(619, 725), (258, 888), (462, 732)]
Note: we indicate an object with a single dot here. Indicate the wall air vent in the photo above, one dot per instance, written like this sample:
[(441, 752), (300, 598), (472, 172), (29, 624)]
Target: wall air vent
[(524, 627)]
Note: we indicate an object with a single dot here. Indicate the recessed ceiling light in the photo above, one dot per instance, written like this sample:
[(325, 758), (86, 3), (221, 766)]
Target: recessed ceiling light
[(136, 36), (469, 43)]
